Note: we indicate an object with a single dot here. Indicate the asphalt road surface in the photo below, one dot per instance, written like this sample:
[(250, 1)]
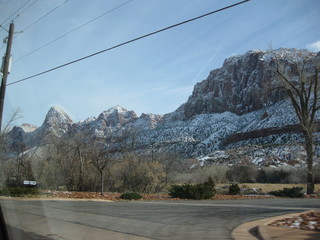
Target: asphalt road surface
[(140, 220)]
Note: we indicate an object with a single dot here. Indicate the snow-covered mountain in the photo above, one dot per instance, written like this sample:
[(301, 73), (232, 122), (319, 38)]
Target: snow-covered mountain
[(238, 105), (246, 83)]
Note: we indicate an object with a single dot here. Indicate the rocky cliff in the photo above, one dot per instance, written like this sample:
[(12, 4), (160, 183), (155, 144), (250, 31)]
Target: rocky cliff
[(246, 83)]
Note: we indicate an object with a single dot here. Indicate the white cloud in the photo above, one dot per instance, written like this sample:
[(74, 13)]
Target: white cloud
[(314, 46)]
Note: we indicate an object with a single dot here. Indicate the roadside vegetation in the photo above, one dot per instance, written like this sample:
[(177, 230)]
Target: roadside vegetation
[(234, 189), (20, 192), (135, 176), (294, 192), (87, 165), (198, 191), (131, 196)]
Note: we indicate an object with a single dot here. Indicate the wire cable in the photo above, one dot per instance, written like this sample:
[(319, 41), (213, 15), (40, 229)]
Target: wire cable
[(8, 18), (34, 1), (127, 42), (40, 18), (19, 13), (26, 8), (67, 33)]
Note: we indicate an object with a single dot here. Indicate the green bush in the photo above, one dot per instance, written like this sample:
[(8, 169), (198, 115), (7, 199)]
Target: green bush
[(234, 189), (199, 191), (274, 175), (131, 196), (181, 191), (19, 192), (295, 192)]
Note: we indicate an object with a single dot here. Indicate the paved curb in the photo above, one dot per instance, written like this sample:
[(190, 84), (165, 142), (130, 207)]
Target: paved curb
[(258, 229), (244, 231), (263, 231)]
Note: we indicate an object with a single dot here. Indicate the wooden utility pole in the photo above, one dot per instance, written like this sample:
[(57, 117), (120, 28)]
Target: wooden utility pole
[(5, 71)]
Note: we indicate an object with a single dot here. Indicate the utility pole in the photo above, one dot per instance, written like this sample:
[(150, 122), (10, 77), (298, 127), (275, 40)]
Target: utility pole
[(5, 71)]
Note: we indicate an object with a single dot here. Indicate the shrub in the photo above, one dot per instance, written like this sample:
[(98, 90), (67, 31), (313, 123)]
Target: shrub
[(279, 176), (138, 175), (269, 175), (131, 196), (181, 191), (199, 191), (294, 192), (242, 174), (234, 189), (19, 192)]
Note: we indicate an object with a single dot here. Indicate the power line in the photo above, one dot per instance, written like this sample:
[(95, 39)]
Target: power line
[(27, 7), (40, 18), (22, 10), (67, 33), (8, 18), (12, 17), (130, 41), (36, 21)]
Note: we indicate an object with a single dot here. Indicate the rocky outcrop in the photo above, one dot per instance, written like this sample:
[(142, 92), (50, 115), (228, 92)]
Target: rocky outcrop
[(116, 116), (56, 124), (246, 83), (28, 127), (17, 139)]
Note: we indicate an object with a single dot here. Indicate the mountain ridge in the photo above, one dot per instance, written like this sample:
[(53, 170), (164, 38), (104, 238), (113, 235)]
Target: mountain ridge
[(234, 99)]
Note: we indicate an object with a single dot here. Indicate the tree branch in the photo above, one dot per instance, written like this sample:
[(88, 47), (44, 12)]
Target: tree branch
[(315, 108)]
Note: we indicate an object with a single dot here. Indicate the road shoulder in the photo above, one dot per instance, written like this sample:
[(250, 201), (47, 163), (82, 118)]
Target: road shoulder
[(29, 227)]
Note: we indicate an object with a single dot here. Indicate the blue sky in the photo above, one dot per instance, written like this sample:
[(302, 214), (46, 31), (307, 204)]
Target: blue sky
[(153, 75)]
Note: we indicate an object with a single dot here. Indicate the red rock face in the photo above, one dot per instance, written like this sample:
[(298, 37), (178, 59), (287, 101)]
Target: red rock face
[(245, 83)]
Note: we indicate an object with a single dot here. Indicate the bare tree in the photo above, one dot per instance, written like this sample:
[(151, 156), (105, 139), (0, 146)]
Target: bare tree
[(65, 163), (101, 159), (171, 164), (302, 87), (69, 158), (4, 147), (16, 114), (78, 144)]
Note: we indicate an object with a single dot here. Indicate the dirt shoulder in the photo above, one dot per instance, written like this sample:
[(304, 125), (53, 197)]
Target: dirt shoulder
[(110, 196), (114, 196)]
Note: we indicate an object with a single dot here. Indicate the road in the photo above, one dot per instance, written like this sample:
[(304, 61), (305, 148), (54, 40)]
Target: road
[(141, 220)]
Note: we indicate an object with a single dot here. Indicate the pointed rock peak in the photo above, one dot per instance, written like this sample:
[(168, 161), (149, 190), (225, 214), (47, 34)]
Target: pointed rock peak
[(56, 108), (117, 108), (114, 110), (117, 116), (57, 114)]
